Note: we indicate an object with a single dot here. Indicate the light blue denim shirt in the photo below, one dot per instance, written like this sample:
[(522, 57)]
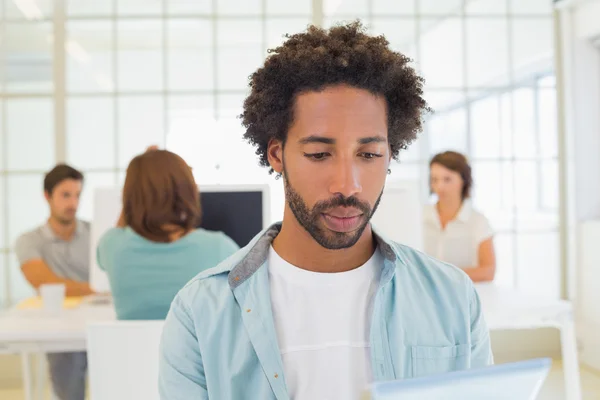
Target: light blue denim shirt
[(219, 340)]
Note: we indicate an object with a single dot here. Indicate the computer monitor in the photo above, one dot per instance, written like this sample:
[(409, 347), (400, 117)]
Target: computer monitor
[(399, 216), (240, 211)]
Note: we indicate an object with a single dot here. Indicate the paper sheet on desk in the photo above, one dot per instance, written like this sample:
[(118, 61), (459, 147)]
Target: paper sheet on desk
[(33, 303)]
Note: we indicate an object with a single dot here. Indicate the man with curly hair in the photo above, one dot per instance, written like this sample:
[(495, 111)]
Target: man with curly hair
[(320, 305)]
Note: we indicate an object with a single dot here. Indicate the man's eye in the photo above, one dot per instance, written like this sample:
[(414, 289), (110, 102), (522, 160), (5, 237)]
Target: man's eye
[(316, 156), (370, 156)]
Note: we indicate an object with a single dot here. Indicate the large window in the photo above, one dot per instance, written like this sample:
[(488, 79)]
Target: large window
[(97, 82)]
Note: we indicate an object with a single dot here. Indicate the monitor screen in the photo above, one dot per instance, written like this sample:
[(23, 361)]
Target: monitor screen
[(238, 214)]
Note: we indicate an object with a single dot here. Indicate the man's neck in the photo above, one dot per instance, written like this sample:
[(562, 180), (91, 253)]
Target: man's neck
[(296, 246), (63, 231)]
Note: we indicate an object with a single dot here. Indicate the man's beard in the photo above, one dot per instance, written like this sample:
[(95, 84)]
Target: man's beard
[(64, 219), (311, 219)]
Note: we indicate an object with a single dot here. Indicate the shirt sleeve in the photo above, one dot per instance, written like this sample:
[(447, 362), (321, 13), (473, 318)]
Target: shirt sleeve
[(28, 247), (481, 349), (106, 247), (181, 371), (483, 229)]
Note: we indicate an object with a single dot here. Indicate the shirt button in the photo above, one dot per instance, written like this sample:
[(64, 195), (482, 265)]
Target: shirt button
[(276, 376)]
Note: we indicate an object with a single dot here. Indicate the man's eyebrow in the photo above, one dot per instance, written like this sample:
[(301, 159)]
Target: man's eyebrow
[(326, 140), (317, 139), (372, 139)]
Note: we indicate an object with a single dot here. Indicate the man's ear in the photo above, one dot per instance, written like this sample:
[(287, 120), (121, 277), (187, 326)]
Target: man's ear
[(275, 155), (47, 196)]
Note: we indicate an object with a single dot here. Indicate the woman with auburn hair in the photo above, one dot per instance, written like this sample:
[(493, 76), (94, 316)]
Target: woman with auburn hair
[(454, 231), (156, 248)]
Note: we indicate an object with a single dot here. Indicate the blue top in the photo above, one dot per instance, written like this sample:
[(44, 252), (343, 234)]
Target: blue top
[(145, 276), (219, 340)]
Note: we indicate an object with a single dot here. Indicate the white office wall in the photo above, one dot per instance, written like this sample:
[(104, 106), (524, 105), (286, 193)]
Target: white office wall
[(580, 65), (174, 73)]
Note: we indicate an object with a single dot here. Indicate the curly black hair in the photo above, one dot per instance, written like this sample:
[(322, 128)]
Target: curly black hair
[(319, 58)]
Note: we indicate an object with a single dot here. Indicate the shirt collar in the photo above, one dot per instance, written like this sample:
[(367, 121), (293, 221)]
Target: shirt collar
[(464, 214), (49, 234), (465, 211), (259, 251)]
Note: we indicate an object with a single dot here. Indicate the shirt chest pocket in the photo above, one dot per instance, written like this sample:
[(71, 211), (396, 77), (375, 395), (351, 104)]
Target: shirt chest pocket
[(428, 360)]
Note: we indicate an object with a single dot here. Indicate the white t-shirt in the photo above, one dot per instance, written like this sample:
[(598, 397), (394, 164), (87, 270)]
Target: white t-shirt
[(323, 322), (457, 244)]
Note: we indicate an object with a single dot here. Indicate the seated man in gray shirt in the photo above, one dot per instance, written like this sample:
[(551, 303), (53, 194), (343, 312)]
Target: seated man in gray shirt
[(59, 252)]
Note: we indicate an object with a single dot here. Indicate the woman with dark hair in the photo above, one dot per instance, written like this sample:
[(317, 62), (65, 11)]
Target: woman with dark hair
[(454, 231), (156, 248)]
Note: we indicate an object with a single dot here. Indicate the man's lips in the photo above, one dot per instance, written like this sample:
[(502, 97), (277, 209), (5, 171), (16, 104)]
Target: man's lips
[(343, 219), (344, 212)]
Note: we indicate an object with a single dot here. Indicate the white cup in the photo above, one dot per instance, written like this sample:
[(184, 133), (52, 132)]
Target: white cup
[(53, 296)]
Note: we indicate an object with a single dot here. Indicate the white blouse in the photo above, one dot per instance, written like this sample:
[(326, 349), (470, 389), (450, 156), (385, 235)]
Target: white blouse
[(457, 244)]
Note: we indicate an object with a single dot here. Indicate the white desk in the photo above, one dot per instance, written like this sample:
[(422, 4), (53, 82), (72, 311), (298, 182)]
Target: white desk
[(508, 309), (33, 329), (29, 331)]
